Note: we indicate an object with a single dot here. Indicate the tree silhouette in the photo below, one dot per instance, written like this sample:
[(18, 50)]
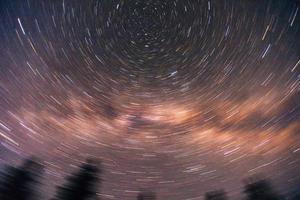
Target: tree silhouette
[(19, 183), (146, 196), (216, 195), (260, 190), (296, 197), (81, 185), (296, 194)]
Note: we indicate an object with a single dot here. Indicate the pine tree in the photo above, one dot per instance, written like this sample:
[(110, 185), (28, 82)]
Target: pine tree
[(260, 190), (216, 195), (296, 197), (19, 183), (81, 185), (146, 196)]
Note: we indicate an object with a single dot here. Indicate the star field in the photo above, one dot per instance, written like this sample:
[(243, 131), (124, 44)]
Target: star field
[(179, 97)]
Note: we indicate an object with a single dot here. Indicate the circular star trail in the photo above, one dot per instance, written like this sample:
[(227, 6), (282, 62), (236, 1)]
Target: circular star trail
[(178, 97)]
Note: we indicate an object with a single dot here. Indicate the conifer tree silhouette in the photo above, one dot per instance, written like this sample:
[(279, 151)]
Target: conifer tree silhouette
[(260, 190), (296, 197), (216, 195), (146, 196), (82, 185), (19, 183)]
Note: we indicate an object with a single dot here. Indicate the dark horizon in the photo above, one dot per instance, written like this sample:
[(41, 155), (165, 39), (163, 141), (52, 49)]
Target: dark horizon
[(85, 183)]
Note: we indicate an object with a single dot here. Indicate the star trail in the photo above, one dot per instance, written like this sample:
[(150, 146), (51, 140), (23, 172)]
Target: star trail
[(179, 97)]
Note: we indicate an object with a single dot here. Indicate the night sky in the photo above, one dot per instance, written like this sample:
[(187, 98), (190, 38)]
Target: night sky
[(179, 97)]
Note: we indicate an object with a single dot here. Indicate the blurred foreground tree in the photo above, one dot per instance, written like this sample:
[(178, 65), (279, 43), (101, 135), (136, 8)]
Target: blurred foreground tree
[(146, 196), (19, 183), (260, 190), (216, 195), (81, 185)]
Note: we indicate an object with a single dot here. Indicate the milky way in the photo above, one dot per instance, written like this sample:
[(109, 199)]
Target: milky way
[(179, 97)]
